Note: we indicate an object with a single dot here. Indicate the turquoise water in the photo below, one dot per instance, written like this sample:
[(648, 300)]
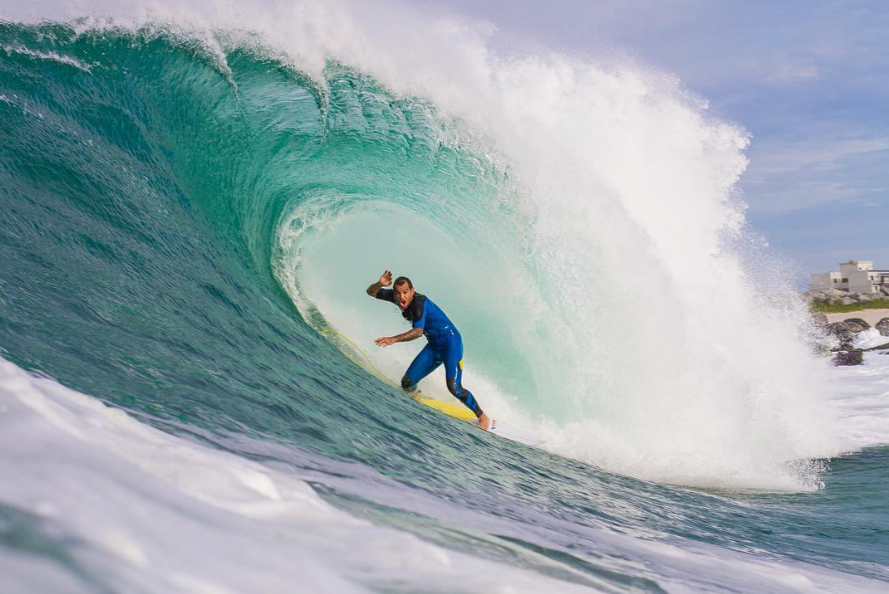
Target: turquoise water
[(152, 194)]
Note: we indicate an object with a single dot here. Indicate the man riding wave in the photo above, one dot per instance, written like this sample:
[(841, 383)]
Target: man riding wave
[(445, 345)]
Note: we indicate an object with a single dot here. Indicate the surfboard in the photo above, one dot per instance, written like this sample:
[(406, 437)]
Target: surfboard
[(452, 409), (502, 429)]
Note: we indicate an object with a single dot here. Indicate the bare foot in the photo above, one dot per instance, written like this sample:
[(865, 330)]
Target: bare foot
[(484, 422)]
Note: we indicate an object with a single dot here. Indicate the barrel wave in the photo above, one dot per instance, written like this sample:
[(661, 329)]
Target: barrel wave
[(188, 212), (198, 191)]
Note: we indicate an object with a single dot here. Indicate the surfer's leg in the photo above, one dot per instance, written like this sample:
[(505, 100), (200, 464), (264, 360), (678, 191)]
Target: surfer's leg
[(455, 386), (423, 364), (453, 360)]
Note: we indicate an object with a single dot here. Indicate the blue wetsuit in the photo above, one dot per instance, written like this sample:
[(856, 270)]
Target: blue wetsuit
[(445, 346)]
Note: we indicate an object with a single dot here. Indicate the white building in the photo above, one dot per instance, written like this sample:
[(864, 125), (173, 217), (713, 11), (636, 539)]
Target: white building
[(855, 276)]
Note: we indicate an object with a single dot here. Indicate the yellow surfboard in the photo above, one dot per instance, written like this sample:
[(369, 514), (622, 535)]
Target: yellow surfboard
[(452, 409)]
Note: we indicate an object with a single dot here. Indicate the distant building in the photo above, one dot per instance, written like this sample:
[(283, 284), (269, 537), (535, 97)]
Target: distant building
[(855, 276)]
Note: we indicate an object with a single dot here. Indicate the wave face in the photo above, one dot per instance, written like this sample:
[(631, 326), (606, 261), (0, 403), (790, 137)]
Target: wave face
[(187, 207)]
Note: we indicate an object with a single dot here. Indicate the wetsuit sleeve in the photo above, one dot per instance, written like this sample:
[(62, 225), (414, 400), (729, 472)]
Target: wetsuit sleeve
[(386, 295)]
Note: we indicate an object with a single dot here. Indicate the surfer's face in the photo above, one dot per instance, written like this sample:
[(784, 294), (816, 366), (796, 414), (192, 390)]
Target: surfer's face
[(404, 294)]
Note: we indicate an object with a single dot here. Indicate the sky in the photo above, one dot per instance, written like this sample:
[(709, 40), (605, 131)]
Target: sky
[(808, 79)]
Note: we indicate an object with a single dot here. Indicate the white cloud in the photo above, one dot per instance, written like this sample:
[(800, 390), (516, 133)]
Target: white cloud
[(790, 74), (785, 176), (818, 154)]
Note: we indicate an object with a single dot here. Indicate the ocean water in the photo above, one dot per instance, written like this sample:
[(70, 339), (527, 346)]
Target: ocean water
[(194, 197)]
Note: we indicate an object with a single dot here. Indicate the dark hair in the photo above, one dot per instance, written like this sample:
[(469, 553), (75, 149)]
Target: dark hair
[(403, 279)]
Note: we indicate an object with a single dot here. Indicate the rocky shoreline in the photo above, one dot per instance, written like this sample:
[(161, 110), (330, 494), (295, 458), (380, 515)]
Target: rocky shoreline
[(845, 331), (840, 297), (844, 327)]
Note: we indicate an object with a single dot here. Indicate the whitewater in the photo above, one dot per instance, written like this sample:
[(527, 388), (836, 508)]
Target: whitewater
[(194, 198)]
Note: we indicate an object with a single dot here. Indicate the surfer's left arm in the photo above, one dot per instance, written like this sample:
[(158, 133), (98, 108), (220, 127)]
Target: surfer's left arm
[(385, 281), (412, 334)]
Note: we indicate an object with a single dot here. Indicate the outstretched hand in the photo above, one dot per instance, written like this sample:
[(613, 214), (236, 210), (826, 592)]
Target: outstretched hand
[(385, 341), (386, 279)]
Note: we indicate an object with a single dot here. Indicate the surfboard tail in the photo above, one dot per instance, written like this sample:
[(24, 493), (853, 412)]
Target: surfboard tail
[(507, 431)]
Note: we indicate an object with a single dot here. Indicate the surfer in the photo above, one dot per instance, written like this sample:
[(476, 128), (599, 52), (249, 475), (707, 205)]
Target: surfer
[(445, 345)]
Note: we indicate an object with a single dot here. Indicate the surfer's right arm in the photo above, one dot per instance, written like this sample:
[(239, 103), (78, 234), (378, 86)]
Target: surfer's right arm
[(385, 281)]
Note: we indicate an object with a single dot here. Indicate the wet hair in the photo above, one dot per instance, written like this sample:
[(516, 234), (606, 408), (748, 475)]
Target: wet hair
[(403, 279)]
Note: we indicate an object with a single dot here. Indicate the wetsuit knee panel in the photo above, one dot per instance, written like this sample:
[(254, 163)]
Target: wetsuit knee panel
[(407, 384), (452, 386)]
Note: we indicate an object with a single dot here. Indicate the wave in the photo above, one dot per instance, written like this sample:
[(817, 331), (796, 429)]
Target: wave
[(579, 221), (192, 195)]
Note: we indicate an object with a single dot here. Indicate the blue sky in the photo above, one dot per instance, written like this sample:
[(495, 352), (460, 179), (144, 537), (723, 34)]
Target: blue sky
[(808, 79)]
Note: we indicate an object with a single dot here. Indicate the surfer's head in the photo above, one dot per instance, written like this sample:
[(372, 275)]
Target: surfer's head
[(404, 291)]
